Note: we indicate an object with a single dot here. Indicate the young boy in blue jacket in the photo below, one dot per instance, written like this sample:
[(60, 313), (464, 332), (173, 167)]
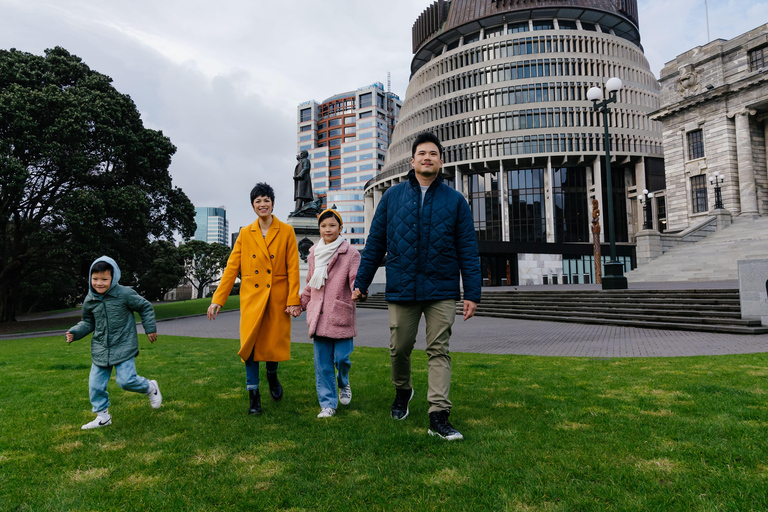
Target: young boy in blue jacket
[(108, 314)]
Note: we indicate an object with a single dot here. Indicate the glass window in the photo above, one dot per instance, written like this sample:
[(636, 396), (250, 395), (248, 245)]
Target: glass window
[(349, 120), (363, 115), (320, 126), (334, 122), (543, 25), (334, 133), (472, 38), (699, 193), (305, 115), (569, 189), (757, 58), (334, 142), (366, 100), (514, 28), (695, 145), (588, 26), (335, 152), (305, 128), (526, 205), (566, 24), (485, 207)]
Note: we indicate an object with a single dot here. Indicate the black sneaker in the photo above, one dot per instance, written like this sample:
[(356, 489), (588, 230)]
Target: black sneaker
[(440, 426), (400, 405)]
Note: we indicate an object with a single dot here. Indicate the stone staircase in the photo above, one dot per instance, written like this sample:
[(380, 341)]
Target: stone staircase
[(704, 310), (713, 258)]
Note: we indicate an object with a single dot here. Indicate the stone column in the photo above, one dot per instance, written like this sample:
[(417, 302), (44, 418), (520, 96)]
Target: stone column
[(549, 212), (504, 200), (747, 189)]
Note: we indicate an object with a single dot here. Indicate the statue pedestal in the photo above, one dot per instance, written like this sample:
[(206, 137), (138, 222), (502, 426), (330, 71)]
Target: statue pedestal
[(307, 235)]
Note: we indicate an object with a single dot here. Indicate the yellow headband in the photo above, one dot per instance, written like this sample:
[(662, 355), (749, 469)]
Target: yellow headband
[(335, 214)]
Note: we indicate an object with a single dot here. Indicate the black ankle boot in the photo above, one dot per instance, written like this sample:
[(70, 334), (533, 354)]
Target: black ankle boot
[(255, 401), (275, 389)]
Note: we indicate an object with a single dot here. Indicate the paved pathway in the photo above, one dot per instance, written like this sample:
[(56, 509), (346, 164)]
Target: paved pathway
[(509, 336)]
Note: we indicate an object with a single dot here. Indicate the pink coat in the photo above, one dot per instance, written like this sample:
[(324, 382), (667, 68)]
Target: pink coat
[(331, 310)]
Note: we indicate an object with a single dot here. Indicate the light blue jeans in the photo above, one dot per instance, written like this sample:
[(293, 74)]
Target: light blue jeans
[(331, 354), (126, 377), (252, 372)]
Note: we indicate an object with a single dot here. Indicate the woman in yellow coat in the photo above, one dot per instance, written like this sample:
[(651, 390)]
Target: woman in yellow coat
[(267, 259)]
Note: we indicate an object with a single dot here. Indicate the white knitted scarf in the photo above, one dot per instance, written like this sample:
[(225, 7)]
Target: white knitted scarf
[(323, 254)]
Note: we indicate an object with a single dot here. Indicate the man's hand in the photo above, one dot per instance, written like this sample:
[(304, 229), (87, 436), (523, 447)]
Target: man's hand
[(152, 337), (469, 309), (213, 310), (69, 337)]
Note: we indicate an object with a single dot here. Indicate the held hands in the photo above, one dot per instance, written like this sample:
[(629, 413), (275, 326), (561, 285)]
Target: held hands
[(359, 296), (213, 310), (469, 309), (294, 311), (152, 337), (69, 337)]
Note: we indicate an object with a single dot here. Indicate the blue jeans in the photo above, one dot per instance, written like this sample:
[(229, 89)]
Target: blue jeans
[(252, 372), (125, 375), (331, 354)]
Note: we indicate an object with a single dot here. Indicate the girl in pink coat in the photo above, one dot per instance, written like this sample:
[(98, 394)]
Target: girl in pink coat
[(327, 300)]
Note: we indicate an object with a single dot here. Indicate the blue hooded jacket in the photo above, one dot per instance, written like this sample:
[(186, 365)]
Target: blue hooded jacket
[(427, 246), (109, 317)]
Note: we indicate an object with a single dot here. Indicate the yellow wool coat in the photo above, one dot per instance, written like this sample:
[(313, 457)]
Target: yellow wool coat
[(269, 282)]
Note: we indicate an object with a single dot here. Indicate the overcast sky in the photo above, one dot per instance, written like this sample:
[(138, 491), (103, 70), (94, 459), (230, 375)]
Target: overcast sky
[(223, 78)]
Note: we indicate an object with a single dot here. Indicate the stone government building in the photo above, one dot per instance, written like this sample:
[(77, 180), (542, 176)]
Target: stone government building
[(715, 119), (503, 84)]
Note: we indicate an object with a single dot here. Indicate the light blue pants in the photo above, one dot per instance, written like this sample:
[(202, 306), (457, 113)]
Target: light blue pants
[(331, 354), (126, 377)]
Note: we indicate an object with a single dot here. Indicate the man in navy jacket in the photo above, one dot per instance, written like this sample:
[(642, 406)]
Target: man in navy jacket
[(426, 230)]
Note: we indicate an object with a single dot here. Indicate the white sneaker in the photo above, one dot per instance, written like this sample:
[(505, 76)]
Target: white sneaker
[(345, 395), (100, 421), (155, 398), (326, 412)]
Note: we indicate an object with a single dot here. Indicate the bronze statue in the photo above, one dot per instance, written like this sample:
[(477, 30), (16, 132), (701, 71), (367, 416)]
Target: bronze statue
[(302, 182), (596, 241)]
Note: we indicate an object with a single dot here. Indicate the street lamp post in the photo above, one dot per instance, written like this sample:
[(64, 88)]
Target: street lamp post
[(645, 199), (716, 180), (614, 278)]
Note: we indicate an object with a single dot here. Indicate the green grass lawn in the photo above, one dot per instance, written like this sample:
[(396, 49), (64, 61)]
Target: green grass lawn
[(162, 311), (541, 434)]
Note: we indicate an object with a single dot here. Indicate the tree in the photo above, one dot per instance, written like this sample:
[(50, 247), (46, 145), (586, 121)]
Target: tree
[(204, 262), (164, 271), (80, 176)]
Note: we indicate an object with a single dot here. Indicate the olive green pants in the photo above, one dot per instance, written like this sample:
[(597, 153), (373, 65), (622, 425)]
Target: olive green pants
[(404, 318)]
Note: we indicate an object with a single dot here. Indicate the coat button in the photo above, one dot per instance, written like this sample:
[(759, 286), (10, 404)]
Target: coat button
[(272, 256), (269, 271), (267, 286), (253, 256), (257, 271), (257, 286)]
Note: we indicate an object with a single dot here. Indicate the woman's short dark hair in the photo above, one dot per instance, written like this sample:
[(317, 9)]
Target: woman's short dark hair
[(427, 137), (261, 190), (102, 266)]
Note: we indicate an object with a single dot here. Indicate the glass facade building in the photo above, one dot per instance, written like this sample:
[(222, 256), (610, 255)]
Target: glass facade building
[(502, 83), (347, 136), (212, 225)]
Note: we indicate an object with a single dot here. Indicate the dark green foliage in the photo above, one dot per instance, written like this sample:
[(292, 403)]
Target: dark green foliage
[(80, 177), (204, 262), (164, 271)]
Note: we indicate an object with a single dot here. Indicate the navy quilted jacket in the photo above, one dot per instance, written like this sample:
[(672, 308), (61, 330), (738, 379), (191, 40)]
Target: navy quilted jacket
[(427, 247)]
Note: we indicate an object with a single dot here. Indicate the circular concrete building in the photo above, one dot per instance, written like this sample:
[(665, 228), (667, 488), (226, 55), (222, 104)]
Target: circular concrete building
[(503, 84)]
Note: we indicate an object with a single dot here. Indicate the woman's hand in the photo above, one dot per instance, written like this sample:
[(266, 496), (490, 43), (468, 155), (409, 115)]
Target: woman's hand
[(213, 310), (294, 311)]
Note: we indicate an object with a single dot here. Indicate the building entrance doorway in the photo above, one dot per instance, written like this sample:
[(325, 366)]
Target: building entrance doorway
[(499, 270)]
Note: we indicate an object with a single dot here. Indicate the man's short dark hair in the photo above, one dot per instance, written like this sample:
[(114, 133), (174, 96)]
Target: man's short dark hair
[(261, 190), (102, 266), (427, 137)]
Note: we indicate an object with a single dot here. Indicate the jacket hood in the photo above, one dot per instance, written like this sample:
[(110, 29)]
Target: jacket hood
[(115, 274)]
